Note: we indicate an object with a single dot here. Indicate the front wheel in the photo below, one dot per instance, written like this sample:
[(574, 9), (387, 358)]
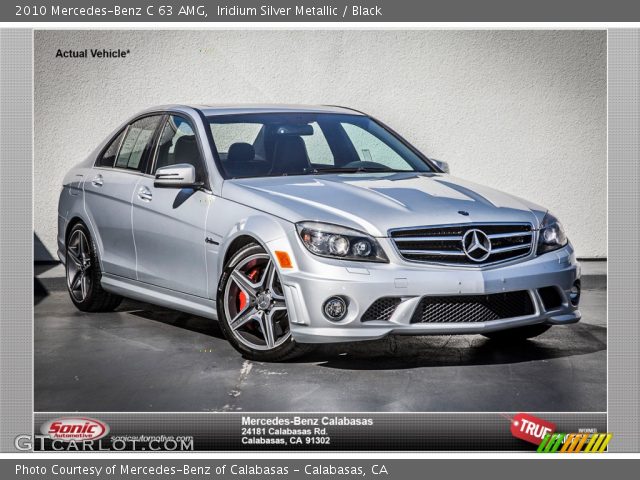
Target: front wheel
[(518, 334), (252, 308)]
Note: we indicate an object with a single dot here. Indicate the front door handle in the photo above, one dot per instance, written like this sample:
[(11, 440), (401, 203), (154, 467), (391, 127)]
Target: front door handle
[(97, 181), (145, 194)]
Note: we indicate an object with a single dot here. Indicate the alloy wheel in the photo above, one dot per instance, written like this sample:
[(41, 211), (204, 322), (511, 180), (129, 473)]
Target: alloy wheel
[(254, 304), (78, 266)]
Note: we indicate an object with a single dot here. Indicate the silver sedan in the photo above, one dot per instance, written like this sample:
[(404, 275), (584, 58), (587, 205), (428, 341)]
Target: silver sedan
[(295, 225)]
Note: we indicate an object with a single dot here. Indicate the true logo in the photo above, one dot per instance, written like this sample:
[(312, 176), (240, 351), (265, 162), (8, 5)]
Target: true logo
[(530, 428), (73, 429)]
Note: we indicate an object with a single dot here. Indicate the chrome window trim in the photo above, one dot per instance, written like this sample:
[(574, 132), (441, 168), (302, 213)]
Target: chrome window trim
[(124, 170)]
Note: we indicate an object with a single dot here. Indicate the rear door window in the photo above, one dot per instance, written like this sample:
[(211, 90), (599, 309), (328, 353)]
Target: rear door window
[(137, 143), (109, 156)]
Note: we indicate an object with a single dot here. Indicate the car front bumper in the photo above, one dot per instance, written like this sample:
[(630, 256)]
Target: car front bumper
[(314, 280)]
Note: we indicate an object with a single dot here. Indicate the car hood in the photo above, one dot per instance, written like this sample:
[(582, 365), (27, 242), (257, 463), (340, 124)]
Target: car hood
[(378, 202)]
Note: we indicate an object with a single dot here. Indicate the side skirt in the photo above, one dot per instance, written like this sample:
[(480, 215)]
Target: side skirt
[(163, 297)]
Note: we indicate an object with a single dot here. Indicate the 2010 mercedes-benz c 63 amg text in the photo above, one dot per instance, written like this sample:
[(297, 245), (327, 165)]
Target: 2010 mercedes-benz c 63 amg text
[(301, 225)]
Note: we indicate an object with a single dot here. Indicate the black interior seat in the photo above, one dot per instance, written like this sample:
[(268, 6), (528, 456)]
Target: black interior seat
[(241, 161), (241, 152), (290, 156)]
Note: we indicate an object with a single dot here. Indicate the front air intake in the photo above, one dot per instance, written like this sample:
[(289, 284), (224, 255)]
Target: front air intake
[(473, 308), (381, 309), (551, 298)]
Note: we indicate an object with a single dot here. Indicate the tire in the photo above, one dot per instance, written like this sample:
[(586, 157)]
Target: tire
[(83, 273), (252, 309), (519, 334)]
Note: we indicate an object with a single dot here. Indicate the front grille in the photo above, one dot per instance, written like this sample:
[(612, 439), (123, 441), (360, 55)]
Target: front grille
[(473, 308), (444, 244), (381, 309)]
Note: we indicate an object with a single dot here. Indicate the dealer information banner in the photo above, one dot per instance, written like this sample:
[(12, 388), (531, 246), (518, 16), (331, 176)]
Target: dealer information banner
[(301, 432)]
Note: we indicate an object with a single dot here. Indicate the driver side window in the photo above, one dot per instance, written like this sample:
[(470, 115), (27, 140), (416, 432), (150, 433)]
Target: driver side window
[(178, 144)]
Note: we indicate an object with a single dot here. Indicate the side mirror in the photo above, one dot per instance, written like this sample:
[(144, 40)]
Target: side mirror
[(444, 166), (182, 175)]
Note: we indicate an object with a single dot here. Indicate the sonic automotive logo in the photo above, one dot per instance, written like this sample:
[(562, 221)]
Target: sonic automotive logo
[(75, 429), (574, 443)]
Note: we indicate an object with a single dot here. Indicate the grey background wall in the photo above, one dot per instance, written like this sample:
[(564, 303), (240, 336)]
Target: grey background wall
[(522, 111)]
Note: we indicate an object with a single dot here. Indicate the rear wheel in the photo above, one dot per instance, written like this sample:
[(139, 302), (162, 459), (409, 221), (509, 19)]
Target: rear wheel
[(252, 308), (519, 334), (83, 274)]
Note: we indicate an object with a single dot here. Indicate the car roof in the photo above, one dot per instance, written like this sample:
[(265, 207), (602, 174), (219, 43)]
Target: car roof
[(235, 109)]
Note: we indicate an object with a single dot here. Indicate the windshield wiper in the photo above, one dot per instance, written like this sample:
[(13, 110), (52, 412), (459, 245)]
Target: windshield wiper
[(356, 170)]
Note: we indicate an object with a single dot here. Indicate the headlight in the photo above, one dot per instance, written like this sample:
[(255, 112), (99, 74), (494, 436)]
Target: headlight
[(552, 236), (333, 241)]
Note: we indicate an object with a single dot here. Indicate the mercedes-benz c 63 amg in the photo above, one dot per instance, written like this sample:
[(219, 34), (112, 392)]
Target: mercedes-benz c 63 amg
[(294, 226)]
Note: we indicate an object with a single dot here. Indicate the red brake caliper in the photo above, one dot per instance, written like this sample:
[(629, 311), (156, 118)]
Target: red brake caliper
[(242, 297)]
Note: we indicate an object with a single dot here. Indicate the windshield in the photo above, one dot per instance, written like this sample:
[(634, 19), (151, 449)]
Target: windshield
[(275, 144)]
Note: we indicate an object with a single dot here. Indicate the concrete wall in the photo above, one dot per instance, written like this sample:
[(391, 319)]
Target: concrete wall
[(522, 111)]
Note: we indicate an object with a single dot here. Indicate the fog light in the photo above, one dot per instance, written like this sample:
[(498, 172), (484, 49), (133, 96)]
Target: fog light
[(335, 308), (574, 293)]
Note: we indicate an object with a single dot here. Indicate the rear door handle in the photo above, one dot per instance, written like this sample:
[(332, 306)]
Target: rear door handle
[(145, 194), (97, 181)]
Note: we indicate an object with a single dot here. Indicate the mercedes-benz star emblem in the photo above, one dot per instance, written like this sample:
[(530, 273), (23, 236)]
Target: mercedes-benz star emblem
[(476, 245)]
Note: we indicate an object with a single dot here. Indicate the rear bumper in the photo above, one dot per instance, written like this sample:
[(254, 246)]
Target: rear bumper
[(307, 288)]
